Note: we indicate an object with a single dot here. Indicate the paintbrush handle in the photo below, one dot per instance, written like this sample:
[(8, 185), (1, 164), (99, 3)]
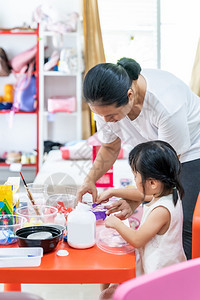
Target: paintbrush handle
[(32, 201)]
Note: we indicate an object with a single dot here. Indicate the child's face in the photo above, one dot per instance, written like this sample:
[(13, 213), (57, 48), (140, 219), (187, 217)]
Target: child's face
[(152, 186), (138, 181)]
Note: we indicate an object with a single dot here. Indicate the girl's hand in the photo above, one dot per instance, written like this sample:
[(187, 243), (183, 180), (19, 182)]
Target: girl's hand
[(104, 197), (111, 222)]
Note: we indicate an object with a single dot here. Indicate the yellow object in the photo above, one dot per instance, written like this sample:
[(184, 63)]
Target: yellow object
[(1, 99), (8, 93), (33, 222), (93, 124), (14, 183), (6, 199)]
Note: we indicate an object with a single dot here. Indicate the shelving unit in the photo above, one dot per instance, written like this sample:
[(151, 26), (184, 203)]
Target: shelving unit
[(27, 115), (64, 126)]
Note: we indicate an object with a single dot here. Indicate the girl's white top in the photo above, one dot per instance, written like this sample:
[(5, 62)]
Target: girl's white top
[(166, 249), (170, 112)]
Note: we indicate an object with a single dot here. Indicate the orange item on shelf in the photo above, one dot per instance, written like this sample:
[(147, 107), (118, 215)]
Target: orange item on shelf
[(8, 93)]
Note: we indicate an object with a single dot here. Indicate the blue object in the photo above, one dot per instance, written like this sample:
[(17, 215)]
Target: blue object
[(5, 105), (65, 238)]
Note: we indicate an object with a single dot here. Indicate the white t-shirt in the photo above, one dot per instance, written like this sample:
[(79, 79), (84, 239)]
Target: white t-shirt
[(165, 249), (170, 112)]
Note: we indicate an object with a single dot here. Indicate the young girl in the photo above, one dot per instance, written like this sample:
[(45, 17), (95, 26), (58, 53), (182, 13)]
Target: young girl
[(158, 241)]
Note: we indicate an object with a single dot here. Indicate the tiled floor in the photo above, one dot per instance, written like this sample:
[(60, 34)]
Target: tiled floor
[(63, 291)]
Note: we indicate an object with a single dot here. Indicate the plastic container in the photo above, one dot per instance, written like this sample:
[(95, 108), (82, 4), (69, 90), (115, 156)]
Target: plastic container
[(47, 214), (62, 104), (81, 227), (109, 240), (68, 200), (20, 257), (48, 244), (39, 193), (134, 222), (8, 226)]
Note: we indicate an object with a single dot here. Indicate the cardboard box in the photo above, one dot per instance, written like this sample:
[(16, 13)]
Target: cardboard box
[(9, 195), (6, 199)]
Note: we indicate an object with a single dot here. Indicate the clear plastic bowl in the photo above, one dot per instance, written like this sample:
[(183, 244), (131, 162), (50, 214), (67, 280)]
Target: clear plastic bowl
[(46, 215), (8, 226), (68, 200), (109, 240)]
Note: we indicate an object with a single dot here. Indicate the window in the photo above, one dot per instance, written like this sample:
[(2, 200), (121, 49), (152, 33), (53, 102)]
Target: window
[(130, 28), (157, 33)]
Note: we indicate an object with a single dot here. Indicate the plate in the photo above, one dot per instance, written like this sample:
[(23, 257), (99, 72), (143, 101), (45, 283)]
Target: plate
[(109, 240)]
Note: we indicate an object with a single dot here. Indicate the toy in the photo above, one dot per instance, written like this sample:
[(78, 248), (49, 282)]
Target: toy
[(8, 93)]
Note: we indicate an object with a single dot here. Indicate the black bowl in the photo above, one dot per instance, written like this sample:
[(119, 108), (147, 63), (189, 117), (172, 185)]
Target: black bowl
[(48, 245)]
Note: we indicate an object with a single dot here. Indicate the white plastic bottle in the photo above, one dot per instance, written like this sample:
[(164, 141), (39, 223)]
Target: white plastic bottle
[(81, 227)]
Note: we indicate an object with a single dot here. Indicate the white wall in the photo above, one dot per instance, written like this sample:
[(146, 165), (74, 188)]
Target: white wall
[(16, 12)]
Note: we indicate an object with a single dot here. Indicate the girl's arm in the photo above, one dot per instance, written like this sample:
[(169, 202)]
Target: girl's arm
[(126, 193), (157, 223)]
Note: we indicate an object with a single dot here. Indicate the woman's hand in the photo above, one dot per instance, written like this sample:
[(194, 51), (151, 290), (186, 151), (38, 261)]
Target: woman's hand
[(111, 222), (87, 187), (122, 207), (104, 196)]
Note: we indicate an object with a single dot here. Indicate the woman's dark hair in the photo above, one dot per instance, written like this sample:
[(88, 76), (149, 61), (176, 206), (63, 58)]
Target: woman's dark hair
[(158, 160), (108, 84)]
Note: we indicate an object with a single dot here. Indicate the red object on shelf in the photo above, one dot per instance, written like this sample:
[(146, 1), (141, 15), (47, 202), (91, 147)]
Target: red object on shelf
[(3, 164), (17, 112), (36, 73), (107, 179)]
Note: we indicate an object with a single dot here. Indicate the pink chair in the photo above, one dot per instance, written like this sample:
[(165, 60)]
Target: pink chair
[(18, 296), (180, 281)]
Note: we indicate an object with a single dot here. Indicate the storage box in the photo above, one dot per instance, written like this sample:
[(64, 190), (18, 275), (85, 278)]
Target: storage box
[(62, 104), (107, 179), (6, 199), (9, 195), (20, 257)]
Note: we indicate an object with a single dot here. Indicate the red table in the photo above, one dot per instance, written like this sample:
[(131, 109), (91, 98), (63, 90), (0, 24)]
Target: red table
[(80, 266)]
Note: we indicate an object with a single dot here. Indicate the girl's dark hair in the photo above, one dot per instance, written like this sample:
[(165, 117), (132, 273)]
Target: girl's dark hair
[(108, 84), (158, 160)]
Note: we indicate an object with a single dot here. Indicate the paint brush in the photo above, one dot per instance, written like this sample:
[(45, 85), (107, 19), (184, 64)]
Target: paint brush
[(29, 194)]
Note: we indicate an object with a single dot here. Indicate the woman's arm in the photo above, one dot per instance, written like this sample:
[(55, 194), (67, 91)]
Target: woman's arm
[(106, 157), (158, 219), (123, 208)]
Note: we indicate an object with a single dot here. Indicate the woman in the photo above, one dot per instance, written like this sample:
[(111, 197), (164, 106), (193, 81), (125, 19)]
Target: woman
[(137, 106)]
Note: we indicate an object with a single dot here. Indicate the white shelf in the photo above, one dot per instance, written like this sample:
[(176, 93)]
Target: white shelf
[(73, 114), (52, 33), (62, 125), (58, 73)]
